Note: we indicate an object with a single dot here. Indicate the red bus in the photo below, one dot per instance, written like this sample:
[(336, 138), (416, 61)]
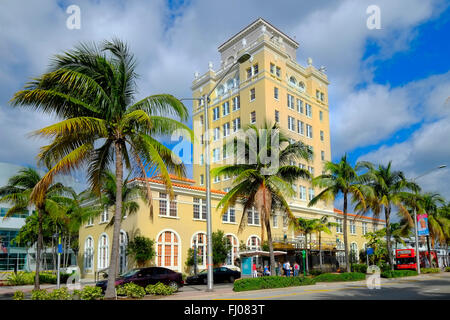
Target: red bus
[(406, 259)]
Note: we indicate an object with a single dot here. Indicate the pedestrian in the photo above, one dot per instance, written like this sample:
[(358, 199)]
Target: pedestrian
[(266, 271), (296, 269), (278, 269), (255, 272), (288, 269)]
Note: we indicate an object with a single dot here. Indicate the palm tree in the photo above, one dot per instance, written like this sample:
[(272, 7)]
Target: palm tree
[(307, 227), (389, 188), (18, 192), (260, 185), (340, 178), (323, 225), (444, 219), (92, 89)]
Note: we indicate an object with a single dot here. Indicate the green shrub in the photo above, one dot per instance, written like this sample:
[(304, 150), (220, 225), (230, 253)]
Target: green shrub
[(41, 294), (91, 293), (20, 278), (159, 289), (346, 276), (430, 270), (60, 294), (131, 290), (315, 272), (447, 269), (270, 282), (384, 266), (398, 273), (76, 294), (18, 295), (362, 268)]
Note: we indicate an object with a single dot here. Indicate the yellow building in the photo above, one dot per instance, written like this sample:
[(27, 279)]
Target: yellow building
[(271, 86)]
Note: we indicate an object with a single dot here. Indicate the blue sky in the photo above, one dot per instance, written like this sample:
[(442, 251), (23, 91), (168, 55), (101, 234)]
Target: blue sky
[(388, 87)]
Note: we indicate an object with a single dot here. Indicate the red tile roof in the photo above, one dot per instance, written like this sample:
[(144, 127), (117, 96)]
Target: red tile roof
[(355, 215), (186, 186)]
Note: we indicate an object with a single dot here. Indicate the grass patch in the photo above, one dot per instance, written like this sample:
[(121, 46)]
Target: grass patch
[(398, 273), (336, 277), (430, 270), (447, 269), (270, 282)]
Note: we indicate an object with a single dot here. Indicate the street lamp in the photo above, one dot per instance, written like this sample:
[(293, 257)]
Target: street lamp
[(205, 99), (415, 218)]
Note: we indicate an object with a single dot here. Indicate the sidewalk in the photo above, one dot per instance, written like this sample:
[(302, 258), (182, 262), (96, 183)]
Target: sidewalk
[(8, 291)]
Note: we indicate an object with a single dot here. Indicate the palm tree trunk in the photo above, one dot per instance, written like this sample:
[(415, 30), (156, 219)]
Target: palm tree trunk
[(38, 250), (387, 213), (113, 264), (347, 263), (271, 254), (429, 250), (320, 250), (306, 249)]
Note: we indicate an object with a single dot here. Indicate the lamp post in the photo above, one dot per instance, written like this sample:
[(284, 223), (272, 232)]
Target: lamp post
[(205, 99), (415, 218)]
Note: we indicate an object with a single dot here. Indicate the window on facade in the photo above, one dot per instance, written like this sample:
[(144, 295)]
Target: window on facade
[(300, 127), (216, 113), (252, 94), (103, 248), (339, 228), (90, 221), (352, 227), (299, 106), (302, 193), (253, 243), (275, 221), (216, 154), (311, 170), (290, 101), (255, 69), (226, 129), (89, 253), (253, 117), (277, 116), (226, 108), (272, 68), (317, 94), (202, 161), (364, 228), (278, 72), (308, 109), (236, 103), (104, 216), (291, 123), (232, 251), (216, 179), (229, 215), (199, 240), (275, 93), (216, 134), (236, 124), (321, 135), (320, 115), (123, 242), (201, 121), (294, 187), (167, 207), (249, 73), (322, 155), (253, 216), (292, 81), (310, 194), (309, 131), (167, 250), (202, 179), (199, 209)]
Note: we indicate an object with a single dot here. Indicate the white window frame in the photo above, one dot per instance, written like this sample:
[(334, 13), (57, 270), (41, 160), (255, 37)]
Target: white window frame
[(164, 200), (252, 94), (229, 216), (201, 205), (174, 235), (252, 213), (103, 252), (236, 103), (226, 108), (216, 113), (88, 263)]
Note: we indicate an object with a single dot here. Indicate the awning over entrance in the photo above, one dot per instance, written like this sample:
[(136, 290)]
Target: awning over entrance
[(261, 253)]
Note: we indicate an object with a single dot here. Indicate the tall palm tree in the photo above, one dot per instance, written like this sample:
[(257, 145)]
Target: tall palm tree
[(341, 178), (18, 192), (389, 188), (92, 89), (307, 227), (260, 185), (323, 225)]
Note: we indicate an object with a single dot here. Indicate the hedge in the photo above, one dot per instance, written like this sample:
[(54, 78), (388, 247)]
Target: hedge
[(430, 270), (27, 278), (346, 276), (269, 282), (447, 269), (398, 273), (359, 268)]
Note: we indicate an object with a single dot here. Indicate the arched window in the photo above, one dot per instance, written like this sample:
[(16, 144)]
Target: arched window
[(220, 90), (88, 253), (103, 249), (167, 250), (123, 242), (200, 241), (230, 84), (354, 251), (230, 59), (301, 85), (233, 250), (254, 243), (292, 80)]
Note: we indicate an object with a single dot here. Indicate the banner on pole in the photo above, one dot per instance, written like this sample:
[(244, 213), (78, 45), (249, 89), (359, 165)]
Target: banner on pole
[(422, 225)]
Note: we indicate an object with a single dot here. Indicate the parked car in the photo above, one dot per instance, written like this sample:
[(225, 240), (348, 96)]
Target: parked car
[(146, 276), (222, 274)]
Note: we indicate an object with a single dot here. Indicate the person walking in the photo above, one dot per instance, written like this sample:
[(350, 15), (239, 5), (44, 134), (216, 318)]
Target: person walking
[(266, 270), (288, 269), (296, 269), (255, 272), (278, 269)]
